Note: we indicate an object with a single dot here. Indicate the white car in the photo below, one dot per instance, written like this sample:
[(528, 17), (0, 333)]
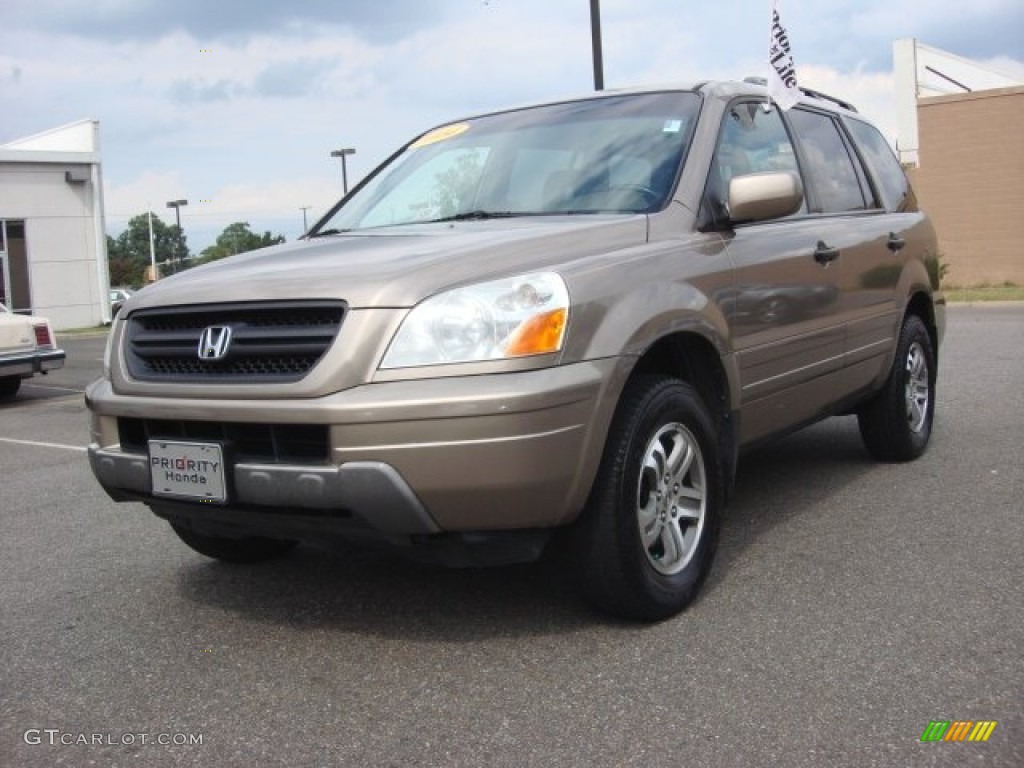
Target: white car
[(118, 296), (27, 347)]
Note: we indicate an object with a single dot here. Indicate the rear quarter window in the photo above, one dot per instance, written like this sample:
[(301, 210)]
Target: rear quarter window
[(882, 164)]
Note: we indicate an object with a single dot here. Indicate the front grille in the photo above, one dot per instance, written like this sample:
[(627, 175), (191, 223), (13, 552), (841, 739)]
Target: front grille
[(269, 341), (265, 443)]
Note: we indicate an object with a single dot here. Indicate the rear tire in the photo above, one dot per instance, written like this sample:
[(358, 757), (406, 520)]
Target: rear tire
[(896, 423), (251, 549), (9, 387), (646, 540)]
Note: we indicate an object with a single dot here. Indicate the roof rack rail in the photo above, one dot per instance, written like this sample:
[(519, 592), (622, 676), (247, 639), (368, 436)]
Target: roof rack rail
[(807, 92), (819, 95)]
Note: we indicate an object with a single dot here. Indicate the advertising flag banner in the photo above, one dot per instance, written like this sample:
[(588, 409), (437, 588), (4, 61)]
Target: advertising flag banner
[(782, 86)]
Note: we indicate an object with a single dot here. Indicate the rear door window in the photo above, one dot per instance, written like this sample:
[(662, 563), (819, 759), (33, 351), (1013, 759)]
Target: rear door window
[(834, 175)]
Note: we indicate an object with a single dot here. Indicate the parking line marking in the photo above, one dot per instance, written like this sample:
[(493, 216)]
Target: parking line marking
[(62, 389), (38, 444)]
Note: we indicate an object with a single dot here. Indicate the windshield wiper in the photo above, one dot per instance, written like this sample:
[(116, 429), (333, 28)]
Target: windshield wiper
[(477, 215), (323, 232)]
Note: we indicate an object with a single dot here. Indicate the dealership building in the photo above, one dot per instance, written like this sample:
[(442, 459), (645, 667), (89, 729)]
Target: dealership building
[(53, 249), (959, 136)]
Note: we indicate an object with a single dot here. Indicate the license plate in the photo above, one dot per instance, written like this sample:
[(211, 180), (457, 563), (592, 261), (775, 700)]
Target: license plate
[(187, 470)]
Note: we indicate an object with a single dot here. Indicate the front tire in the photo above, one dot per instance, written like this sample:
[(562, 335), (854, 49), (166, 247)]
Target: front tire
[(251, 549), (646, 540), (896, 423)]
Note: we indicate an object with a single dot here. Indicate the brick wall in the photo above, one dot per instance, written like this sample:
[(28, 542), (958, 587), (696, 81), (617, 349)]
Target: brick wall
[(971, 181)]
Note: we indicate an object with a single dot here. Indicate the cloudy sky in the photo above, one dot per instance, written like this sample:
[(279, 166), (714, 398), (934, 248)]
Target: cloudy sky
[(236, 104)]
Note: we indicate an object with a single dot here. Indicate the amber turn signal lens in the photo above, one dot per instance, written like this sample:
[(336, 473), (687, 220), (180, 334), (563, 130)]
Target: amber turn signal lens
[(538, 335)]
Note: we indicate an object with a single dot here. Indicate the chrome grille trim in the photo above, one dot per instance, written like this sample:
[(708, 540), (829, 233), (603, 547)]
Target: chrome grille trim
[(277, 341)]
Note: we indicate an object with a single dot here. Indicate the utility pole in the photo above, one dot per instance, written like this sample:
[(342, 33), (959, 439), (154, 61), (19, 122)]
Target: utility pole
[(595, 44), (305, 226)]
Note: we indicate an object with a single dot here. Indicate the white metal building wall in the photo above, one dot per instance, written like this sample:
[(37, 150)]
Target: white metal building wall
[(58, 194)]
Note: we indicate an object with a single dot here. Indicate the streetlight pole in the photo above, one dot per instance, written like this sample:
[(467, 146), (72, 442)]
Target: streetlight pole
[(305, 226), (176, 205), (595, 43), (152, 245), (343, 153)]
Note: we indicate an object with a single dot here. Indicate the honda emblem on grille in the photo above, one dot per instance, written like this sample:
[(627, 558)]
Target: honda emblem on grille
[(214, 342)]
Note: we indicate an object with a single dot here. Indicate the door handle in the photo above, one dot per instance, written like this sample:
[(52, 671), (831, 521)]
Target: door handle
[(823, 254), (895, 243)]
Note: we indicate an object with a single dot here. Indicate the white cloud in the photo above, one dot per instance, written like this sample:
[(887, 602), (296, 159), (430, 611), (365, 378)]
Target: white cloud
[(246, 115), (272, 206), (872, 93), (149, 191), (272, 201)]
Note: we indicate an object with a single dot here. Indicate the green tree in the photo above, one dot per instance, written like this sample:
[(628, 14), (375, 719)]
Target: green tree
[(237, 238), (128, 253), (455, 188), (123, 270)]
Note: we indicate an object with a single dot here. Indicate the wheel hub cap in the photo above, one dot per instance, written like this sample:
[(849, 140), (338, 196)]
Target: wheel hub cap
[(671, 498), (918, 391)]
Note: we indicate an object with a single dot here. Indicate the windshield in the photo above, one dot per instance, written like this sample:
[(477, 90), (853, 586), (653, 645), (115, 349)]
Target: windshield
[(615, 154)]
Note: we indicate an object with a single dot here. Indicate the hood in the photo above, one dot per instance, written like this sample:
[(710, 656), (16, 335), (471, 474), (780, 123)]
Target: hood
[(397, 266)]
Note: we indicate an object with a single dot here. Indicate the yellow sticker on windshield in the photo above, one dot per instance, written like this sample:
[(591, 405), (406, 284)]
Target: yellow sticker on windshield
[(440, 134)]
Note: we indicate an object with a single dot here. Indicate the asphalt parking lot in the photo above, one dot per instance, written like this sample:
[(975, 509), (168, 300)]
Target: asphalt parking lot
[(851, 604)]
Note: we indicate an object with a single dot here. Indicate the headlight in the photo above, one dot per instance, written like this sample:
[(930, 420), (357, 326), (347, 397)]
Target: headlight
[(514, 317)]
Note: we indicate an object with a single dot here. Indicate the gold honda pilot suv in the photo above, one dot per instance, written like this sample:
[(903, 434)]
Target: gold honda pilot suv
[(568, 318)]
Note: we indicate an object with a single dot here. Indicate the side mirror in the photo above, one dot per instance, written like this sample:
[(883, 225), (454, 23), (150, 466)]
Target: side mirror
[(760, 196)]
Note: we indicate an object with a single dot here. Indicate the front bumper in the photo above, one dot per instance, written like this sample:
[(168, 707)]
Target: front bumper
[(475, 453), (354, 486), (25, 364)]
